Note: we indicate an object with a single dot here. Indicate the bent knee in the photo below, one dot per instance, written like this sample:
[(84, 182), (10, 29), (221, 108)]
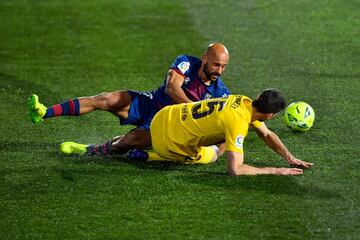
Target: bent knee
[(112, 101), (101, 101)]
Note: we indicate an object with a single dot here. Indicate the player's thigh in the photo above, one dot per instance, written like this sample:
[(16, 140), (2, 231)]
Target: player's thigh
[(205, 155), (115, 102), (164, 148), (159, 138), (158, 129), (118, 101)]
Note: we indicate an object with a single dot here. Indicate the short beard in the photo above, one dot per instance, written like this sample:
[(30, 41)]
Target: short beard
[(207, 73)]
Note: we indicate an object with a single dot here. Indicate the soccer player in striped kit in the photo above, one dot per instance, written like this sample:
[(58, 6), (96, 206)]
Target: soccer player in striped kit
[(189, 79)]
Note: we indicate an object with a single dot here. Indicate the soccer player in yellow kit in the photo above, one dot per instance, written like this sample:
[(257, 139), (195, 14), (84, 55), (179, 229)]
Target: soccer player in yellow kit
[(189, 132)]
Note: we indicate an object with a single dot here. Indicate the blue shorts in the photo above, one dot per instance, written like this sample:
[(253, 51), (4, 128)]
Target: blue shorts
[(142, 110)]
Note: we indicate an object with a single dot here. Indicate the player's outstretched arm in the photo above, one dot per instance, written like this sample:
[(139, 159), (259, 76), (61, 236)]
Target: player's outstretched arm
[(174, 81), (273, 141), (237, 167)]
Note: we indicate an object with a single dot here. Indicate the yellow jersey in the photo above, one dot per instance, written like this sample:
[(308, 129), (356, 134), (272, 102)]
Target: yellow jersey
[(183, 128)]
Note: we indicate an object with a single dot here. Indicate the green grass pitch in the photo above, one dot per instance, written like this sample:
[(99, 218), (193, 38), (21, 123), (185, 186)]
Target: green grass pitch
[(62, 49)]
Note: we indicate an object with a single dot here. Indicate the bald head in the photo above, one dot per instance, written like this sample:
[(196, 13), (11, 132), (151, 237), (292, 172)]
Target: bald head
[(217, 49), (214, 61)]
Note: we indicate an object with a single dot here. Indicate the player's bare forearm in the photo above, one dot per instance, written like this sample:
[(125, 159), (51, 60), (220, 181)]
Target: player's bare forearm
[(177, 94), (273, 141), (173, 88), (238, 168), (245, 169)]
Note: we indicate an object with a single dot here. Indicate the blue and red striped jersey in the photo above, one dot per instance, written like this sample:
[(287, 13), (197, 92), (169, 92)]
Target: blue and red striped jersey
[(193, 86)]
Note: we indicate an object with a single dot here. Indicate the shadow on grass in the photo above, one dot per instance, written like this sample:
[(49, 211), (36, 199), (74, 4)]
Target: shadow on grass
[(93, 165), (278, 185), (50, 150), (117, 162), (287, 185), (271, 184)]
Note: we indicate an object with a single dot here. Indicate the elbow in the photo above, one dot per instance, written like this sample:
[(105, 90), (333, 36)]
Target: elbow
[(242, 170), (234, 172)]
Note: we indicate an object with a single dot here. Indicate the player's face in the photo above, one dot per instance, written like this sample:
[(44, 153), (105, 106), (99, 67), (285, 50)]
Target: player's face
[(215, 66), (266, 116)]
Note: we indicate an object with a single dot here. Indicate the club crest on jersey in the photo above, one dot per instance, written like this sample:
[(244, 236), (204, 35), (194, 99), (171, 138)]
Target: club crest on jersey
[(183, 67), (239, 141)]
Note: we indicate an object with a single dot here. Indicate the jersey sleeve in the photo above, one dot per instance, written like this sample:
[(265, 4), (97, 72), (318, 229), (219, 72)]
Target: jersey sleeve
[(256, 124), (181, 64), (226, 92), (222, 90), (235, 132)]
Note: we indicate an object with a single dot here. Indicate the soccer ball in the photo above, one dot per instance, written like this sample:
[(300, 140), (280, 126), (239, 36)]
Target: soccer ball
[(299, 116)]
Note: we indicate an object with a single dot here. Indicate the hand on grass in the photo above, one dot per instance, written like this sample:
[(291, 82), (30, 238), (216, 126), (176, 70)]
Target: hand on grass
[(299, 163), (288, 171)]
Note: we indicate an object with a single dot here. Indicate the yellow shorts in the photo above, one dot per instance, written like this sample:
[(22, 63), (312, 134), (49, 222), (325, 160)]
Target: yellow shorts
[(173, 152), (204, 156)]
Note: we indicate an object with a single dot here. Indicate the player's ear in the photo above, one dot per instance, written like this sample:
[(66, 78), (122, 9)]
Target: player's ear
[(266, 116), (204, 58), (270, 116)]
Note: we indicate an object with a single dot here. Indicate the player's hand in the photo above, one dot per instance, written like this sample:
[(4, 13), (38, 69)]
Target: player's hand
[(288, 171), (299, 163)]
